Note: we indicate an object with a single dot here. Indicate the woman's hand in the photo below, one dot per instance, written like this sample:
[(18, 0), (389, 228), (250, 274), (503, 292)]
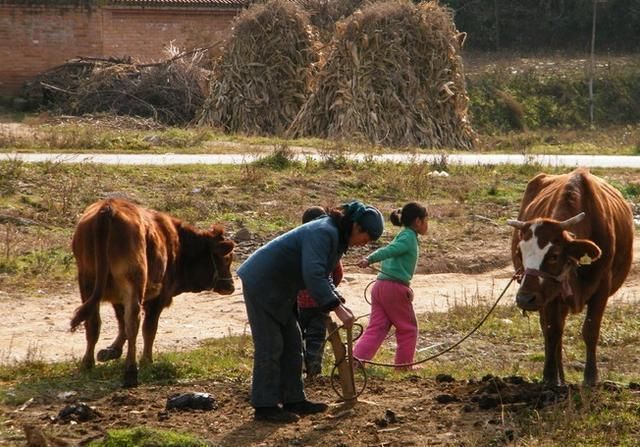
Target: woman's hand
[(345, 315), (363, 263)]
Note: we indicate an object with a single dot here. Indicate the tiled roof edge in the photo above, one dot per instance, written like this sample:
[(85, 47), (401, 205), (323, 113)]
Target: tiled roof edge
[(93, 4)]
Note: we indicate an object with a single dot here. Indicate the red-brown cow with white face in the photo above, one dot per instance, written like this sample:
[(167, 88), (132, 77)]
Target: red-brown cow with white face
[(573, 244)]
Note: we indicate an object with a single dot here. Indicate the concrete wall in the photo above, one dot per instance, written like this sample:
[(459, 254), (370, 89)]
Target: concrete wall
[(35, 39)]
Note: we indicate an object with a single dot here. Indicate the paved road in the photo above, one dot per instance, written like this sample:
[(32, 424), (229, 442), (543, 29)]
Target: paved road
[(602, 161)]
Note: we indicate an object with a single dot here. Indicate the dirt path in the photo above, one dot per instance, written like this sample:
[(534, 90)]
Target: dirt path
[(35, 327)]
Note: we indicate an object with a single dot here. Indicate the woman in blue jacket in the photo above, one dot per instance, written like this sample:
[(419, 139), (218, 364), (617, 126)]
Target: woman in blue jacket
[(302, 258)]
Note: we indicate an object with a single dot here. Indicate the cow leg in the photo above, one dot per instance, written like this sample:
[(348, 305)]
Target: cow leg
[(591, 335), (92, 333), (132, 325), (152, 311), (114, 351), (552, 321), (91, 324)]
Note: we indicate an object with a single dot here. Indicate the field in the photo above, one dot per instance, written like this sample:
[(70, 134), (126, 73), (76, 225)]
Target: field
[(485, 392)]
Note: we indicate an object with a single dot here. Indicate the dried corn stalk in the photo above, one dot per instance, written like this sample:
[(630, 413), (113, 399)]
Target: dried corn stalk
[(394, 77), (264, 75)]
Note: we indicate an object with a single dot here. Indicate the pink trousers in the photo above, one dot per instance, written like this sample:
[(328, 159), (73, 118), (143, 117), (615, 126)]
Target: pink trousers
[(390, 306)]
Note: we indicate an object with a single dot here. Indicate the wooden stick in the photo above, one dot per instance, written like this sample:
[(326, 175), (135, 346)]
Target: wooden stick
[(345, 366)]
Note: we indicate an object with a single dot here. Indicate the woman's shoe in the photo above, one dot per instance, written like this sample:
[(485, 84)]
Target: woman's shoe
[(305, 407), (275, 414)]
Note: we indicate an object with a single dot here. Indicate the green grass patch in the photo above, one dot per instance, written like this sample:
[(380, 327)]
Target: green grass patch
[(145, 437), (504, 100), (587, 418), (280, 158), (80, 135), (45, 381), (228, 358)]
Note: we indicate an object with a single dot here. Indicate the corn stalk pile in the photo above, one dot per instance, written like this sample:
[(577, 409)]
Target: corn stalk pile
[(393, 77), (170, 92), (264, 75), (323, 14)]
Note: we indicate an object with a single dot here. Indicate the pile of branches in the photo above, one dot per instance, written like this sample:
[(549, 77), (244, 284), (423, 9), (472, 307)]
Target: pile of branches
[(393, 77), (264, 75), (170, 92)]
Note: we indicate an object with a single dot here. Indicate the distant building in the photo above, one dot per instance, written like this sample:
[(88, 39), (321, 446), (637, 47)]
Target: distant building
[(37, 35)]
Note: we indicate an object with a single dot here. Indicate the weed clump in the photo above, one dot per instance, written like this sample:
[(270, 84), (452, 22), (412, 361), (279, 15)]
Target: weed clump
[(280, 158)]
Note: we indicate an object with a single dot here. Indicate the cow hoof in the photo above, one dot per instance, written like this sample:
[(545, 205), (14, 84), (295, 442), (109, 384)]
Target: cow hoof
[(110, 353), (144, 361), (591, 378), (553, 384), (130, 378), (87, 365)]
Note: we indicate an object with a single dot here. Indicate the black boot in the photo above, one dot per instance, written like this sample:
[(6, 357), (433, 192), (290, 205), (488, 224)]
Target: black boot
[(305, 407), (275, 414)]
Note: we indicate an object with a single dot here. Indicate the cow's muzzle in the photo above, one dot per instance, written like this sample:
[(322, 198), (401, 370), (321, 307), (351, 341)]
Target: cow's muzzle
[(224, 286), (527, 301), (533, 300)]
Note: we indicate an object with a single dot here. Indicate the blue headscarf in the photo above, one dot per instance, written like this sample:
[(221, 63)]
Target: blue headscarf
[(368, 217)]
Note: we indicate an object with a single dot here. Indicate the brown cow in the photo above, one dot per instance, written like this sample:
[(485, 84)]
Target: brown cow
[(135, 257), (564, 271)]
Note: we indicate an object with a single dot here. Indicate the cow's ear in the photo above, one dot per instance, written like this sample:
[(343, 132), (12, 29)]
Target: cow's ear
[(217, 230), (583, 251), (224, 247)]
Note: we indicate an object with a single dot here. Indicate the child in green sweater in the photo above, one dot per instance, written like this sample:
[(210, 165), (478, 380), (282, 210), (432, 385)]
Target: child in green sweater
[(391, 296)]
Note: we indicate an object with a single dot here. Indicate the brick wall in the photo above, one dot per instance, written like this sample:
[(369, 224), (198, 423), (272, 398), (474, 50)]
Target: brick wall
[(148, 32), (38, 38)]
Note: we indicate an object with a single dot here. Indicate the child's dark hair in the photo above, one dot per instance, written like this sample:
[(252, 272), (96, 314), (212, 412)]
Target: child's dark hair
[(312, 213), (406, 215)]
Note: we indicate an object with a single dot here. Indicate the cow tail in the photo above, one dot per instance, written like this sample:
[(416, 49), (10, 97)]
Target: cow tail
[(101, 241)]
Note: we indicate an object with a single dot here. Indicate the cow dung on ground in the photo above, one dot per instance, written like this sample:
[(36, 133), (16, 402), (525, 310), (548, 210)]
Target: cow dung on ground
[(394, 77), (264, 75)]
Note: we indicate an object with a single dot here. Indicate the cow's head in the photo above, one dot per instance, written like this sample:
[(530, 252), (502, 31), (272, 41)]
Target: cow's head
[(207, 260), (548, 253), (222, 256)]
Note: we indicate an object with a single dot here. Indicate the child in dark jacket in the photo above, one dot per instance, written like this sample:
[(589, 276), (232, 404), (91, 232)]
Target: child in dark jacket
[(310, 317)]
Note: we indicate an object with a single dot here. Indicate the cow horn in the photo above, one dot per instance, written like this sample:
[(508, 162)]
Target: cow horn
[(573, 220), (516, 223)]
